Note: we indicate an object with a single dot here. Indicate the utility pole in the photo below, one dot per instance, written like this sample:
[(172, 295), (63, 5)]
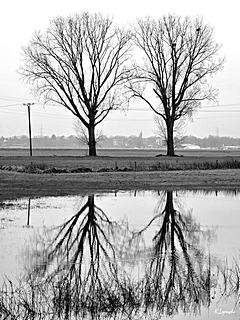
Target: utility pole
[(29, 104)]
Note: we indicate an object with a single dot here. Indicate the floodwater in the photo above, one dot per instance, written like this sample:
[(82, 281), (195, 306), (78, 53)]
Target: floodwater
[(123, 255)]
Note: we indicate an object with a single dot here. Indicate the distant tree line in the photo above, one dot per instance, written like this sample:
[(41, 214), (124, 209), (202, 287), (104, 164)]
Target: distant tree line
[(118, 142), (212, 141)]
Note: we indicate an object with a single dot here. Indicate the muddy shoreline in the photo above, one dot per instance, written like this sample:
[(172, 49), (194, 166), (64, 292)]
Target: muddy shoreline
[(18, 185)]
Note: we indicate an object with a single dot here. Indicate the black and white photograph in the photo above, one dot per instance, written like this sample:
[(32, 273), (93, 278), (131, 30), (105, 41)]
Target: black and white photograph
[(120, 160)]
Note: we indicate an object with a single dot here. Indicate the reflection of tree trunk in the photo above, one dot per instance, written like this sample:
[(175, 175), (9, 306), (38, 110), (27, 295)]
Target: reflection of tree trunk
[(169, 203), (92, 140), (81, 259), (29, 210), (173, 280), (84, 264), (81, 247), (91, 207)]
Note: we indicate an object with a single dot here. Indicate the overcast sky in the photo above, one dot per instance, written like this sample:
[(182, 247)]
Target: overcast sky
[(19, 20)]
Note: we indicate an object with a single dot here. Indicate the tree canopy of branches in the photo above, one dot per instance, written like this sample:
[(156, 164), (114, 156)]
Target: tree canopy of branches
[(179, 55), (80, 63)]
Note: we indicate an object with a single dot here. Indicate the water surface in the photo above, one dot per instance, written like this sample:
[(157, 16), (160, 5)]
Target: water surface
[(125, 255)]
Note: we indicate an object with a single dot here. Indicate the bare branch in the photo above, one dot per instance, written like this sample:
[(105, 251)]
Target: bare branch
[(81, 63)]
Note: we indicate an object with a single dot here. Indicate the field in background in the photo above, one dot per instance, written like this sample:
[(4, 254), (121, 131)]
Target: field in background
[(118, 152), (116, 159)]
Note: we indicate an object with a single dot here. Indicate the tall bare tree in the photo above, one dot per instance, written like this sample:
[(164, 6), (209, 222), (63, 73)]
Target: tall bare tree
[(82, 133), (80, 63), (178, 55), (178, 131)]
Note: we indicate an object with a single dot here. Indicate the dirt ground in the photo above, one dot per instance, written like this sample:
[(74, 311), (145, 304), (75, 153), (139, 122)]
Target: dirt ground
[(16, 185)]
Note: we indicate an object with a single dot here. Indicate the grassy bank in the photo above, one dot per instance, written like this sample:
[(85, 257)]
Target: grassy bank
[(15, 185), (66, 164), (22, 176)]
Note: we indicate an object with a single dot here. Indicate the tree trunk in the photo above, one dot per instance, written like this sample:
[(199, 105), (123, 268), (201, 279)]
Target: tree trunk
[(91, 141), (170, 142)]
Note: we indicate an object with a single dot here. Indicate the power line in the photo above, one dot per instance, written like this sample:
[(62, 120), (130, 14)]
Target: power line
[(12, 98), (134, 109), (10, 105), (64, 116), (44, 114), (69, 116), (221, 105), (12, 112), (144, 109), (140, 109), (218, 111)]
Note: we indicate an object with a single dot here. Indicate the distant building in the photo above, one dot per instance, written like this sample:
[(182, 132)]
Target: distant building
[(189, 146), (230, 147), (139, 142)]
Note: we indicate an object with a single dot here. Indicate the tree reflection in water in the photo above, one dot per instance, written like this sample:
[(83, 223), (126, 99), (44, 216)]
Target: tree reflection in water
[(81, 272), (179, 274), (81, 260)]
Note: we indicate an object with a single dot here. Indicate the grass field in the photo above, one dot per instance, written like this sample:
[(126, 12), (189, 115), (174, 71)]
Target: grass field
[(131, 160), (205, 170), (118, 152)]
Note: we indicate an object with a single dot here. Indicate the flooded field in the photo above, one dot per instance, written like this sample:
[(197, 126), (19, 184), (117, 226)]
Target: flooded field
[(123, 255)]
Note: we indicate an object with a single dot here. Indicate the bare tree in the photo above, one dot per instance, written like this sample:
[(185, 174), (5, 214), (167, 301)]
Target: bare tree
[(178, 131), (179, 56), (80, 63), (82, 133)]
